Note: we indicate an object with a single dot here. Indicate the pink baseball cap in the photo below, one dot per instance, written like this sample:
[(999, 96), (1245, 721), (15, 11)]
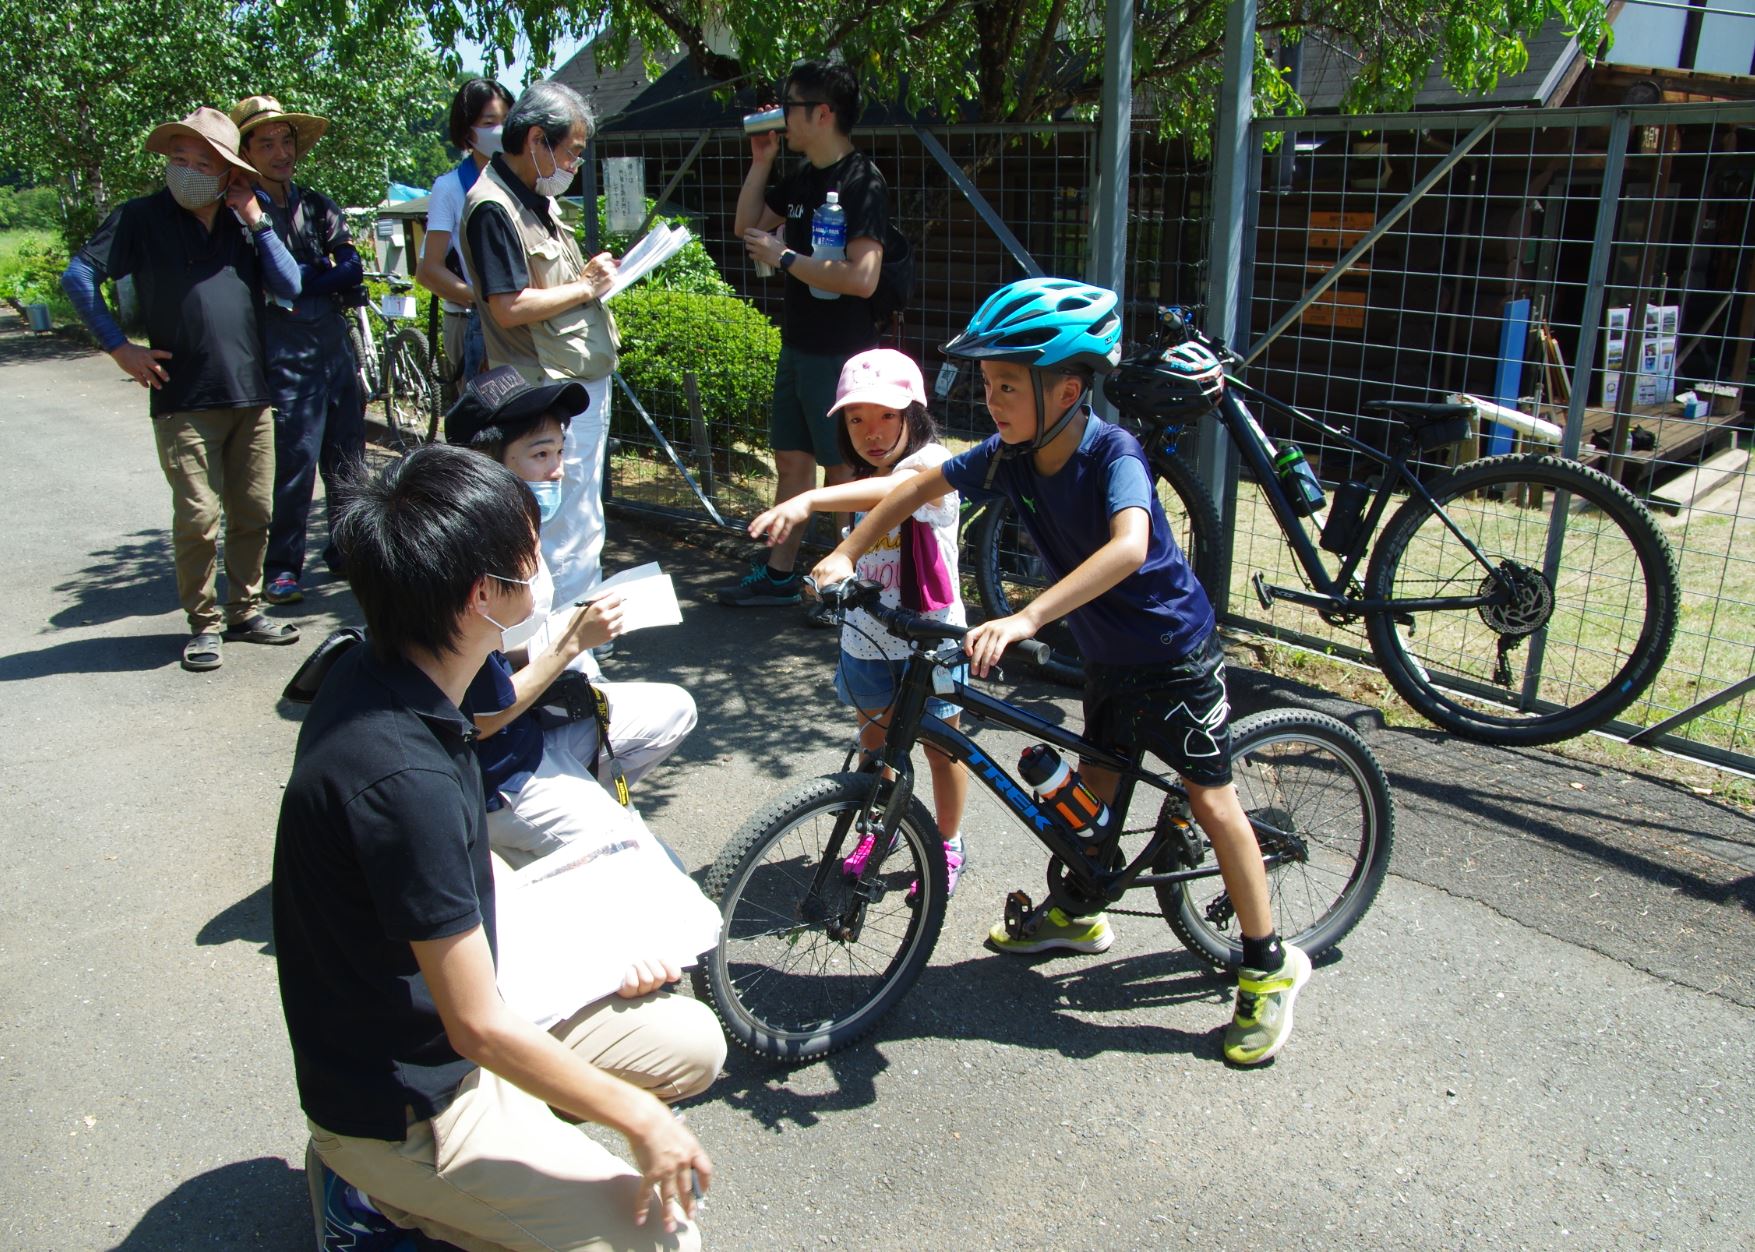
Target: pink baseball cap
[(883, 377)]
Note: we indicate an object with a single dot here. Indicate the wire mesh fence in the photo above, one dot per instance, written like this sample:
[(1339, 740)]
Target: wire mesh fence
[(1589, 271)]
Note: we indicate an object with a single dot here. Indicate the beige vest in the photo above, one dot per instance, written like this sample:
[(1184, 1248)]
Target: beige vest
[(578, 343)]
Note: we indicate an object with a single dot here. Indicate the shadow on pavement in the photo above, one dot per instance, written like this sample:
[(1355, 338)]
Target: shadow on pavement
[(1042, 1004), (249, 920), (122, 654), (134, 578), (259, 1203)]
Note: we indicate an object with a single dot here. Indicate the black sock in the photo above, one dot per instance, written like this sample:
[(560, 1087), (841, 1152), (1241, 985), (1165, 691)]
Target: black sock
[(1266, 953), (778, 575)]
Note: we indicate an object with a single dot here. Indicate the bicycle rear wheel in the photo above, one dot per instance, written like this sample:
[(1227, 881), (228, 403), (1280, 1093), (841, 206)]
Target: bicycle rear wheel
[(1322, 813), (408, 407), (1009, 572), (1603, 613), (365, 358), (803, 968)]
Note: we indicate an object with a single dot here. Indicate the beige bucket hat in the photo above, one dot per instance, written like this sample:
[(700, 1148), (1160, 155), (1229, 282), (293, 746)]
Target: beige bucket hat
[(254, 111), (210, 126)]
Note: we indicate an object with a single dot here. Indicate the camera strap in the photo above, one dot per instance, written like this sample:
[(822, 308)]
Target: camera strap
[(600, 709)]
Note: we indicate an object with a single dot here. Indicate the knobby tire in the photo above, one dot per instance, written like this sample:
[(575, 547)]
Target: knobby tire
[(1605, 615)]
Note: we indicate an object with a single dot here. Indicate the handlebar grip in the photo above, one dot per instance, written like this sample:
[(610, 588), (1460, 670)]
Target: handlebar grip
[(1033, 650)]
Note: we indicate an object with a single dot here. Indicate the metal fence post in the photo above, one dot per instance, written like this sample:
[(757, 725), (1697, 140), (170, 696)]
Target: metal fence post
[(1234, 155)]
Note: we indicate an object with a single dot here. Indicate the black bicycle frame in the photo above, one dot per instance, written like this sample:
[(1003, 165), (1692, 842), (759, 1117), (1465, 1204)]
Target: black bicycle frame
[(910, 723), (1332, 592)]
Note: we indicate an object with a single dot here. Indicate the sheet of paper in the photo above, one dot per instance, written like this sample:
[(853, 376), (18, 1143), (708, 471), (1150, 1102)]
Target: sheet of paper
[(660, 244), (569, 925), (648, 597)]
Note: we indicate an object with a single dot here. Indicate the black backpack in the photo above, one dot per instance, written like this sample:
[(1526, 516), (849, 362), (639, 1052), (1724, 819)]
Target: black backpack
[(895, 287)]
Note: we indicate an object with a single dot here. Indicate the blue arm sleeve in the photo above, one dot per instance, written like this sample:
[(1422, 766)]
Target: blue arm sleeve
[(280, 273), (81, 283), (345, 273)]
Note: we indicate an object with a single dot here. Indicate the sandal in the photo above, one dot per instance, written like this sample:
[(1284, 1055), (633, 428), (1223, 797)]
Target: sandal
[(202, 652), (259, 629)]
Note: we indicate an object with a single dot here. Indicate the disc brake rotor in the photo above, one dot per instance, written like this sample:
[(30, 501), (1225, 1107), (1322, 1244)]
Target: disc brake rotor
[(1531, 603)]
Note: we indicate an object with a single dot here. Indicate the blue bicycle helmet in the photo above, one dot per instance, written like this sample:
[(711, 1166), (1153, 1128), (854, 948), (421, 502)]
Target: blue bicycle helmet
[(1044, 323)]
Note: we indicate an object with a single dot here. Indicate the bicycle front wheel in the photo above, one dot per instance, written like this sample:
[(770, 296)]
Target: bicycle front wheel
[(365, 358), (1322, 813), (408, 409), (810, 959), (1593, 604)]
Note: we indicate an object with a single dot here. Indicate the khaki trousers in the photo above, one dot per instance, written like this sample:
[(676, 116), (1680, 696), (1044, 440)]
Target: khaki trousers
[(218, 460), (498, 1171)]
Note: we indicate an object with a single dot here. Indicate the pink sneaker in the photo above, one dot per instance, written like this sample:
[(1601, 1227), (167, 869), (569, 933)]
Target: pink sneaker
[(953, 870), (853, 865)]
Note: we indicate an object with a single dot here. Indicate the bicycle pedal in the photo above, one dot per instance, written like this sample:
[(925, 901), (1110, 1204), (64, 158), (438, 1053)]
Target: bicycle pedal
[(1262, 591), (1018, 911)]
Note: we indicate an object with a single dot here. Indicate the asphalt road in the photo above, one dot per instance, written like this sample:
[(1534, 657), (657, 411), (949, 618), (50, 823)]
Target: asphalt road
[(1540, 1037)]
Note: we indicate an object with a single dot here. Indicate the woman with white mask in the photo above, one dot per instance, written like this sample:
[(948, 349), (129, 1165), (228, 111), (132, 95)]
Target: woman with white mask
[(477, 111)]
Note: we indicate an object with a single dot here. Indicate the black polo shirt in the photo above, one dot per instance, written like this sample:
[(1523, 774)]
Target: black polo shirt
[(382, 841), (494, 242), (200, 297)]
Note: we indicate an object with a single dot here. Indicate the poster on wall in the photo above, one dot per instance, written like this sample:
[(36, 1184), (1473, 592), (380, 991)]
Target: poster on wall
[(1614, 353), (1656, 383)]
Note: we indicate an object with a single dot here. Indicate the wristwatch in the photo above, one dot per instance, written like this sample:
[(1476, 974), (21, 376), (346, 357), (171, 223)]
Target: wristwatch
[(787, 258)]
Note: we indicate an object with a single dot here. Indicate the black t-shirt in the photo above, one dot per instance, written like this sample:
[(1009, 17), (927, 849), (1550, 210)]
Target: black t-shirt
[(200, 295), (494, 242), (829, 327), (382, 841)]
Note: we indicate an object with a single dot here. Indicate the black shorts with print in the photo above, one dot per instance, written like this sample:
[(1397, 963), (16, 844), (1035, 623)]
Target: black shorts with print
[(1176, 710)]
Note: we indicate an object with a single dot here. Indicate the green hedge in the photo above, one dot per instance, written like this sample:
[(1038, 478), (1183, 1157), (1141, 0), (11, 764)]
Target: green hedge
[(728, 344)]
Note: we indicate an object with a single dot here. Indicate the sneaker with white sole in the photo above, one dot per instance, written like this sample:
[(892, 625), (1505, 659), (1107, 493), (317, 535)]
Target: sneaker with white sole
[(1057, 930), (1263, 1019)]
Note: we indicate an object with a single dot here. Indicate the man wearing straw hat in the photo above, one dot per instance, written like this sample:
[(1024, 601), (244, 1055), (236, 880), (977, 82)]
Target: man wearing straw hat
[(319, 414), (201, 274)]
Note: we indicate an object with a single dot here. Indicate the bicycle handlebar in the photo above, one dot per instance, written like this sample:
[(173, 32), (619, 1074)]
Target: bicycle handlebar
[(863, 593)]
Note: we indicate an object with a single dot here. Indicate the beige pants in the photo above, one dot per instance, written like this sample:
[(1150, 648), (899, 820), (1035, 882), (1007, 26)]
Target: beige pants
[(497, 1170), (218, 460)]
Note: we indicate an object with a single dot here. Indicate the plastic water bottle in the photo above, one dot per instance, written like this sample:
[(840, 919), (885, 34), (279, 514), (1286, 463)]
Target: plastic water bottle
[(828, 237), (1300, 481), (1060, 788)]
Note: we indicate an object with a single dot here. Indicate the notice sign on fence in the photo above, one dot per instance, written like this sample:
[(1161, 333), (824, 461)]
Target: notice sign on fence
[(1343, 310), (624, 187)]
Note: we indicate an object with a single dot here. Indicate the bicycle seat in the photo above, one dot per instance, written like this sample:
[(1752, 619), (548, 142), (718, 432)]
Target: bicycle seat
[(1418, 413), (1432, 425)]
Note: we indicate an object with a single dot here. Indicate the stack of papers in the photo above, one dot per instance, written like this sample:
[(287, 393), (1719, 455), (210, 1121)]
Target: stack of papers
[(661, 243), (570, 924)]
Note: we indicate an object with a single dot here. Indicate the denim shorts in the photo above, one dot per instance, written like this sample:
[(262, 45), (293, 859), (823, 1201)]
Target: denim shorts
[(1177, 710), (871, 685)]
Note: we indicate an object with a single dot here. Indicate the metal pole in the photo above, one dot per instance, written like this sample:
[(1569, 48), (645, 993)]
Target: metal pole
[(1109, 250), (1233, 154), (985, 211)]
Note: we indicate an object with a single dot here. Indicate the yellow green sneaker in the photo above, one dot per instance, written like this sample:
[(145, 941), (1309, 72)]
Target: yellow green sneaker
[(1263, 1020), (1057, 930)]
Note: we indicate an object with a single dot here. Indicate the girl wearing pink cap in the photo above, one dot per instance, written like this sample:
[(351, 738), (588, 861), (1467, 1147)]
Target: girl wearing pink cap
[(887, 437)]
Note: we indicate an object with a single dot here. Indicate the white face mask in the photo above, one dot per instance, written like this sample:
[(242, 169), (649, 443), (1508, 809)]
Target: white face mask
[(523, 621), (487, 140), (553, 184), (191, 188)]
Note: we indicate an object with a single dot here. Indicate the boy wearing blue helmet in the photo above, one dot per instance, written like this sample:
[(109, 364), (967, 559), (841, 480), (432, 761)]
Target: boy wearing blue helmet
[(1154, 665)]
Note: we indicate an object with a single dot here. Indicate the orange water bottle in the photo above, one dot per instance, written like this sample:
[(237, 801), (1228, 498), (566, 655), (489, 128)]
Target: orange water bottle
[(1062, 792)]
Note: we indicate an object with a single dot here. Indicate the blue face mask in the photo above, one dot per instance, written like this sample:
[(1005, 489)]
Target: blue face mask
[(548, 497)]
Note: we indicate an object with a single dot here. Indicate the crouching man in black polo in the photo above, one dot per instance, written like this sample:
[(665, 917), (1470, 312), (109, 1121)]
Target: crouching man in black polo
[(431, 1101)]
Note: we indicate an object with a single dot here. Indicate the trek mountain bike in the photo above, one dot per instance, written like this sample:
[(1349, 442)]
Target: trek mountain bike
[(391, 364), (811, 957), (1519, 599)]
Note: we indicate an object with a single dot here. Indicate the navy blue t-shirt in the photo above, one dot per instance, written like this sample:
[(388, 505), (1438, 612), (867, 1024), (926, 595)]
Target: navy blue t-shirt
[(1157, 614), (512, 754)]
